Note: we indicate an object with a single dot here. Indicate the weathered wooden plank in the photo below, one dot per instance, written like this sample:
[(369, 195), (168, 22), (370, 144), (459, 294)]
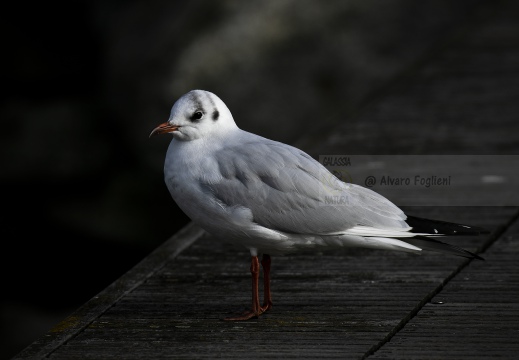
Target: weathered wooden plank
[(476, 315), (343, 303), (333, 304), (84, 316)]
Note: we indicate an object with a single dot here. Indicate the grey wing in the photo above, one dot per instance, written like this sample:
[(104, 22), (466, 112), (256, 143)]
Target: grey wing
[(287, 190)]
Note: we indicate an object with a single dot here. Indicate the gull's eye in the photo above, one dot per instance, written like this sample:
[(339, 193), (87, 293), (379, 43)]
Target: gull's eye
[(197, 115)]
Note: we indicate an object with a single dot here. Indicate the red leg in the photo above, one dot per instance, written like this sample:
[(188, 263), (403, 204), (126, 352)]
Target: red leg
[(256, 308), (267, 302)]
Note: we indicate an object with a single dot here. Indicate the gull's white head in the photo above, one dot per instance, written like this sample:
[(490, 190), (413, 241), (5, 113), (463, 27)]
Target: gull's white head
[(195, 115)]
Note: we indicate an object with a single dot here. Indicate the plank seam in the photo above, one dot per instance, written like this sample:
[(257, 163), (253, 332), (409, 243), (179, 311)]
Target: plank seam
[(77, 322), (184, 243), (487, 244)]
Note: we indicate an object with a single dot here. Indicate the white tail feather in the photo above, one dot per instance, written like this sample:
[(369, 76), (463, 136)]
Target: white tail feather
[(396, 233), (375, 242)]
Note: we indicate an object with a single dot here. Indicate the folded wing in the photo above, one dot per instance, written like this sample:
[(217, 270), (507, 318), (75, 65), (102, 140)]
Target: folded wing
[(287, 190)]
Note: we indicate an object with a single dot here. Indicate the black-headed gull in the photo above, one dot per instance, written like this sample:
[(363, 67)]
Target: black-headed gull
[(270, 197)]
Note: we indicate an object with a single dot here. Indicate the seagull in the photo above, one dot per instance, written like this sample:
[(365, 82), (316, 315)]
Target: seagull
[(270, 197)]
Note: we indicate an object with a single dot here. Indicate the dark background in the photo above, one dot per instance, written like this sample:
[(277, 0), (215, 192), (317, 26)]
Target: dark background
[(85, 83)]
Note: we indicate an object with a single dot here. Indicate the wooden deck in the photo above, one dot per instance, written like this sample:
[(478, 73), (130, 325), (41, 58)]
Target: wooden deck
[(346, 303)]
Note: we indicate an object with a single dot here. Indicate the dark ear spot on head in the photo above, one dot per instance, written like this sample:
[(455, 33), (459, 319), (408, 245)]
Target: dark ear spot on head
[(216, 115)]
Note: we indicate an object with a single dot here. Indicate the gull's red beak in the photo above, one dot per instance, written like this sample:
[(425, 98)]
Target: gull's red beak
[(164, 128)]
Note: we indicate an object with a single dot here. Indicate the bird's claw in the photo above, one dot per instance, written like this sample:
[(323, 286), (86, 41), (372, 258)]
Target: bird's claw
[(267, 306), (247, 315)]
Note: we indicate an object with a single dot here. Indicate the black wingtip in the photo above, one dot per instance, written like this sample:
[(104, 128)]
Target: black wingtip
[(433, 244), (428, 226), (476, 256)]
